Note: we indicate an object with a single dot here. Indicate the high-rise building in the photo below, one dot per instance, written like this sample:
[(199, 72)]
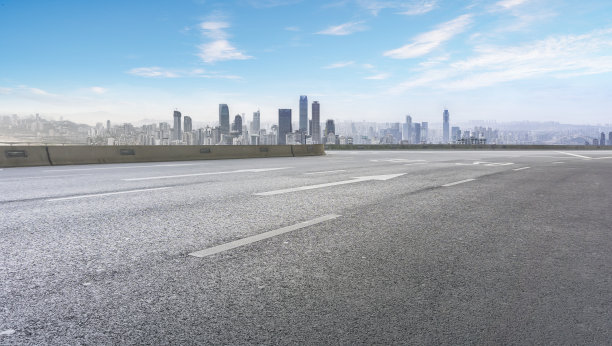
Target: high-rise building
[(445, 126), (178, 136), (284, 125), (303, 114), (407, 129), (455, 133), (417, 133), (256, 124), (224, 124), (187, 127), (424, 131), (316, 123), (237, 125), (610, 138), (602, 141), (108, 125), (330, 127)]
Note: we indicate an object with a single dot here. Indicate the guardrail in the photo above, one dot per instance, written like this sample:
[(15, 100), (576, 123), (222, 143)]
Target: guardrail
[(462, 147), (23, 156)]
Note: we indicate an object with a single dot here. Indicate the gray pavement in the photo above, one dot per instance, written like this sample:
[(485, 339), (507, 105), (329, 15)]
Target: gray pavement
[(356, 247)]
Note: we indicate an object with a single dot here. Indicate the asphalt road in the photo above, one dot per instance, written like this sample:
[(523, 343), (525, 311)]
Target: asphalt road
[(389, 247)]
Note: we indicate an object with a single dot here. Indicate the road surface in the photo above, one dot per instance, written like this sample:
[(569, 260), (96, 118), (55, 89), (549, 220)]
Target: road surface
[(355, 247)]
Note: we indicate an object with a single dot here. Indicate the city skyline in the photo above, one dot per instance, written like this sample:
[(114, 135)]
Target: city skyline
[(506, 60)]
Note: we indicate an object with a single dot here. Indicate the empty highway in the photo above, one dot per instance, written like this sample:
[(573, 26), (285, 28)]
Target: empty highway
[(354, 247)]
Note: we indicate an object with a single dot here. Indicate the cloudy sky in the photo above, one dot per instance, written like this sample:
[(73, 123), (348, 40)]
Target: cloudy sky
[(502, 60)]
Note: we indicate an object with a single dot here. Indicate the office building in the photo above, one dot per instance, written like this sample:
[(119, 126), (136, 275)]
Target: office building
[(407, 129), (424, 131), (284, 125), (237, 125), (417, 133), (330, 127), (187, 127), (256, 124), (445, 126), (602, 141), (224, 125), (303, 114), (316, 123), (178, 136)]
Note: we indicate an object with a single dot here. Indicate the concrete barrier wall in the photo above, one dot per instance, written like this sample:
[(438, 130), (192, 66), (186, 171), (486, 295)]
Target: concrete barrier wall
[(462, 147), (308, 150), (14, 156), (23, 156)]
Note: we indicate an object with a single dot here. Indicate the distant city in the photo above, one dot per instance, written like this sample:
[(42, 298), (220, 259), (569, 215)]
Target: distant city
[(307, 128)]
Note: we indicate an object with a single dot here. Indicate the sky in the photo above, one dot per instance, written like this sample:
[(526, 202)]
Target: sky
[(379, 60)]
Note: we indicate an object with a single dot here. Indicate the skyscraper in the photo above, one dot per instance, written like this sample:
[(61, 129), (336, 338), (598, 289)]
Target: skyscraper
[(238, 124), (303, 114), (407, 129), (255, 126), (316, 123), (445, 126), (187, 127), (178, 136), (424, 131), (610, 138), (284, 125), (224, 124), (330, 127), (602, 141), (417, 133)]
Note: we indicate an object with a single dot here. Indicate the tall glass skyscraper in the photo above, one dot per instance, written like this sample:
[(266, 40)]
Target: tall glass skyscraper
[(255, 125), (224, 123), (187, 127), (303, 114), (407, 129), (316, 123), (284, 125), (178, 136), (238, 124), (417, 133), (445, 127)]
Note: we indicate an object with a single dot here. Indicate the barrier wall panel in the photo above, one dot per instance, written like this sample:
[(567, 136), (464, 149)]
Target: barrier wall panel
[(23, 156)]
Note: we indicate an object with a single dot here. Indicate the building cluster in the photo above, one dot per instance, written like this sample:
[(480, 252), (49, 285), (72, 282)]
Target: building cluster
[(304, 130)]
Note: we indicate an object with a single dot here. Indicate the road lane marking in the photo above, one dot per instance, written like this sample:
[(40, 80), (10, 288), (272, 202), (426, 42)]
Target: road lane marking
[(323, 172), (17, 178), (415, 163), (558, 162), (248, 240), (318, 186), (576, 155), (255, 170), (106, 194), (520, 169), (458, 182), (118, 167), (605, 157)]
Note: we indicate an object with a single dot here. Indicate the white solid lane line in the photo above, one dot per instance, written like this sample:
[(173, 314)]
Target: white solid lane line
[(318, 186), (245, 241), (458, 182), (106, 194), (520, 169), (118, 167), (415, 163), (559, 162), (576, 155), (255, 170), (323, 172)]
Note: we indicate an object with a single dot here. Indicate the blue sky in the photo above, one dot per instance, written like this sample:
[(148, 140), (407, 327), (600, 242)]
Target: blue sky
[(362, 60)]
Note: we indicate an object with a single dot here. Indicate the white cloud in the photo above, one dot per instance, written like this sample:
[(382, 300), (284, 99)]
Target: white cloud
[(339, 64), (508, 4), (98, 90), (5, 91), (379, 76), (220, 50), (368, 66), (343, 29), (152, 72), (426, 42), (557, 57), (214, 29), (414, 7)]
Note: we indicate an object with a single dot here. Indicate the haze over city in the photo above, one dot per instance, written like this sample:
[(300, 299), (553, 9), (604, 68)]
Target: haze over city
[(506, 60)]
